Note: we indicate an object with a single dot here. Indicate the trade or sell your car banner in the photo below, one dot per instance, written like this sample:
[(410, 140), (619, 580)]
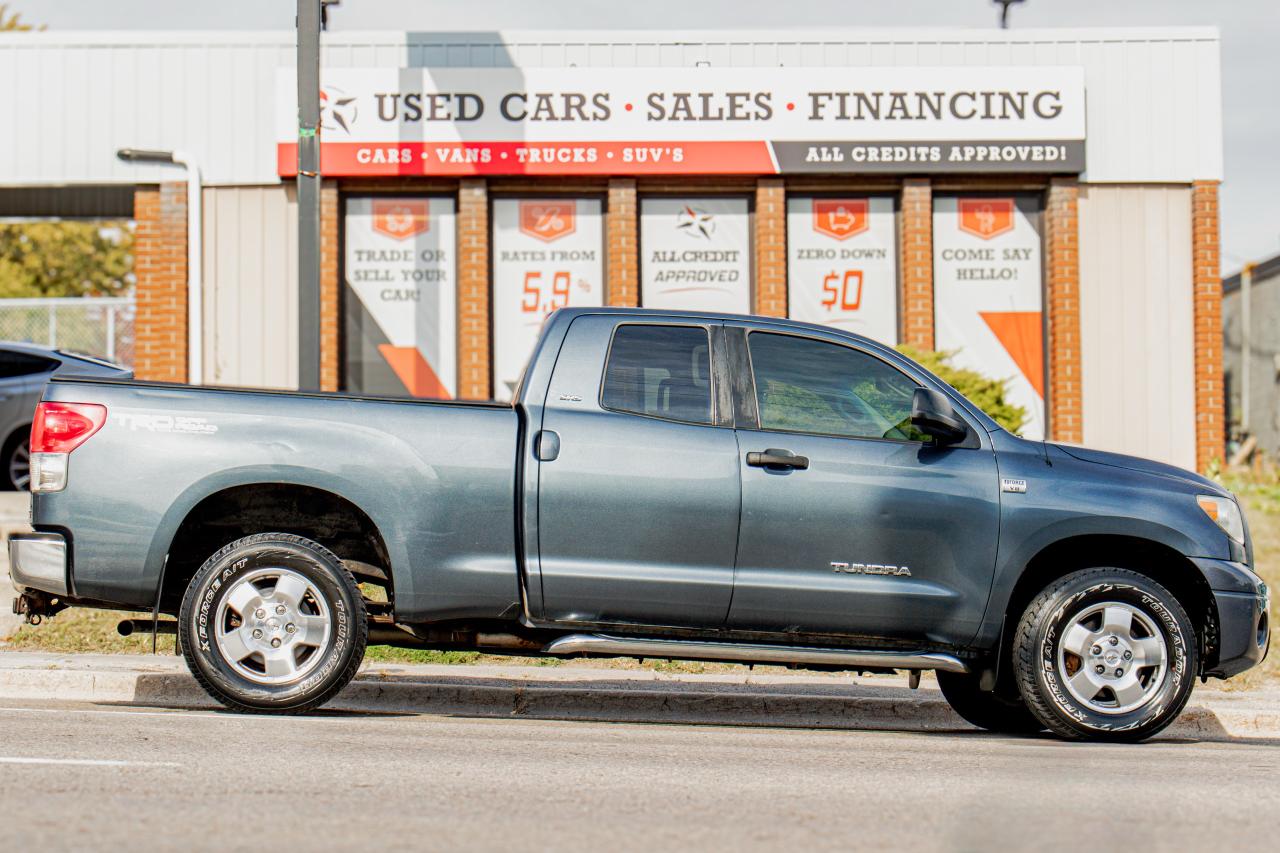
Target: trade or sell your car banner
[(842, 264), (548, 253), (702, 120), (695, 254), (988, 293), (400, 271)]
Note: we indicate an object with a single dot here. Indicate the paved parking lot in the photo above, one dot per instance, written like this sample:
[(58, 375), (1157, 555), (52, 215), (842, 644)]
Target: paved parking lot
[(75, 776)]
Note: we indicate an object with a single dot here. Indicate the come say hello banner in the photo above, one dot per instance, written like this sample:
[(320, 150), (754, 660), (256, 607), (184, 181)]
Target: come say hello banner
[(599, 121)]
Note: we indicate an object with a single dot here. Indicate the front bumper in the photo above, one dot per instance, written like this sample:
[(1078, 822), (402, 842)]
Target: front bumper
[(1244, 622), (38, 561)]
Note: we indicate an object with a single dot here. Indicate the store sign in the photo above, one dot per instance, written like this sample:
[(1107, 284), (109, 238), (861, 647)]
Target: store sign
[(695, 254), (988, 294), (602, 121), (841, 264), (547, 254), (401, 296)]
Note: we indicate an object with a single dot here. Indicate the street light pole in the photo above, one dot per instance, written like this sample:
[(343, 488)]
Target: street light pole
[(309, 14)]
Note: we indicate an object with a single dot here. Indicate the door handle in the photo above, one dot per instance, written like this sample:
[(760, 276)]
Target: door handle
[(777, 460)]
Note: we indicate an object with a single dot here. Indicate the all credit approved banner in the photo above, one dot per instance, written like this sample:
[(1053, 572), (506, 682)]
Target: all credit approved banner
[(599, 121)]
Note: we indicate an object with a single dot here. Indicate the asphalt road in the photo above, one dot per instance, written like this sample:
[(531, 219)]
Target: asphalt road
[(95, 777)]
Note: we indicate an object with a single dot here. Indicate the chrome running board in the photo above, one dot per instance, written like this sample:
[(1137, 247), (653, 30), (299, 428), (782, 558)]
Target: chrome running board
[(602, 644)]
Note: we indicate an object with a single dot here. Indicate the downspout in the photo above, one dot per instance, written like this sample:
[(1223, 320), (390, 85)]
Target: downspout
[(195, 268)]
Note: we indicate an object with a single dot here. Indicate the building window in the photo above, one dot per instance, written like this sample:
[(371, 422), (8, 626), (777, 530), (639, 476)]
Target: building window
[(548, 253), (400, 296), (696, 254), (988, 292), (842, 266)]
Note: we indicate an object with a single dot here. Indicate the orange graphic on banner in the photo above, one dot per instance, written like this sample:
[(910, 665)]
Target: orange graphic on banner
[(986, 217), (401, 218), (547, 220), (414, 372), (1021, 333), (840, 218)]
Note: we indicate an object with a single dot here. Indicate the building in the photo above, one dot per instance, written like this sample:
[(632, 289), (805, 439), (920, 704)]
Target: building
[(1262, 420), (1044, 202)]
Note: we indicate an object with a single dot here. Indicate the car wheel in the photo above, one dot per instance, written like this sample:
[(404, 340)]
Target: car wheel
[(1105, 654), (17, 458), (986, 709), (273, 623)]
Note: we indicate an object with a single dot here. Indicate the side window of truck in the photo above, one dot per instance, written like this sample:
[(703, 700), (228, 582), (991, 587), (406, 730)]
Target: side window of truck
[(660, 371), (804, 385)]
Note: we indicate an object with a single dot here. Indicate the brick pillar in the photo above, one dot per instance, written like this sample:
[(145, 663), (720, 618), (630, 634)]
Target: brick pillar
[(473, 290), (622, 260), (160, 267), (771, 247), (1206, 282), (915, 243), (329, 288), (1062, 273)]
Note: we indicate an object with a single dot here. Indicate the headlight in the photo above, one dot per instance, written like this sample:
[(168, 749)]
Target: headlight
[(1225, 513)]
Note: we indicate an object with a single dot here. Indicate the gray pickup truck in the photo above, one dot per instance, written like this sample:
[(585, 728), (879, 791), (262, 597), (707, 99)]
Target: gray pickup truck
[(665, 485)]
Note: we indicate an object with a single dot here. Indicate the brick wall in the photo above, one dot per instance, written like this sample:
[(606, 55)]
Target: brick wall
[(915, 245), (771, 247), (330, 338), (622, 255), (473, 290), (1062, 287), (1206, 282), (160, 266)]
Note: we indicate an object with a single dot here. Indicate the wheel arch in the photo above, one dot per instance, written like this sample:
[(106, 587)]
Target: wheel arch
[(240, 510), (1153, 559)]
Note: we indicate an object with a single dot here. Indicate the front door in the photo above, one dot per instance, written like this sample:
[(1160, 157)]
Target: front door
[(882, 533), (638, 509)]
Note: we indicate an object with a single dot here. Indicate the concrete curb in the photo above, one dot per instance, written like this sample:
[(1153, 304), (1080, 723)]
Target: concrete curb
[(1218, 716)]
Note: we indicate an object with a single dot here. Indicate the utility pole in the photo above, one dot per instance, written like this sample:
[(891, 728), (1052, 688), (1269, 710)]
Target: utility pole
[(309, 22), (1004, 11), (1246, 342)]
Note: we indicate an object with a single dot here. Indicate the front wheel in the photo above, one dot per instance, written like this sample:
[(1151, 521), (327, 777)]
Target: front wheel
[(273, 623), (1105, 654)]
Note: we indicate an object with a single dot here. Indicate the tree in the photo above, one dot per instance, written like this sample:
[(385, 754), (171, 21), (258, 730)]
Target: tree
[(65, 258), (984, 392), (10, 21)]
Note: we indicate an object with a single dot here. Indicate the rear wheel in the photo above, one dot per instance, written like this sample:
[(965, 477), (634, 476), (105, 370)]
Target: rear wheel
[(1105, 654), (986, 709), (273, 622), (17, 462)]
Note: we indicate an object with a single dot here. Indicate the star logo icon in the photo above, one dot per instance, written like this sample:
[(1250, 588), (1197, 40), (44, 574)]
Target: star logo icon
[(337, 110), (696, 223)]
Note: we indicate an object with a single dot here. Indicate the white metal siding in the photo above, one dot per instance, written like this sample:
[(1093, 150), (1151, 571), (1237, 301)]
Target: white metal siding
[(72, 99), (251, 286), (1137, 337)]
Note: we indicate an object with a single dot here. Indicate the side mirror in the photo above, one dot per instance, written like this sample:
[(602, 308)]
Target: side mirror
[(932, 414)]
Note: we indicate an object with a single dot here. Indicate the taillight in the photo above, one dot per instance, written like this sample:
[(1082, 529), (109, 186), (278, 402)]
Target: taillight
[(58, 429)]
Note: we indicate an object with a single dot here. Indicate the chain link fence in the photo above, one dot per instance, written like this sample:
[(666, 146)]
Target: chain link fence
[(98, 326)]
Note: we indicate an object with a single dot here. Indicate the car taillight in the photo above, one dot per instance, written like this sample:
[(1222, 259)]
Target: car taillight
[(58, 429)]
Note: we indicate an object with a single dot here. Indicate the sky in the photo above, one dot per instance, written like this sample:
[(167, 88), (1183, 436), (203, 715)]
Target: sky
[(1250, 32)]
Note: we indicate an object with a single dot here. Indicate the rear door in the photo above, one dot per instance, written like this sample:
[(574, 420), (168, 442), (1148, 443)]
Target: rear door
[(638, 483), (880, 533)]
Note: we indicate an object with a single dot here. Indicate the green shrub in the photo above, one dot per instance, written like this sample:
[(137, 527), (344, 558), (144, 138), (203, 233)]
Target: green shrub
[(984, 392)]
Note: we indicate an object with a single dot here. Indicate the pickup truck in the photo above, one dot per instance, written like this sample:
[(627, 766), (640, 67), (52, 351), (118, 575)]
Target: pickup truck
[(664, 485)]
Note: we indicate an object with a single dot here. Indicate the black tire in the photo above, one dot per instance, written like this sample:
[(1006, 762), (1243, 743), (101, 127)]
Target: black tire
[(986, 709), (16, 452), (1042, 660), (326, 646)]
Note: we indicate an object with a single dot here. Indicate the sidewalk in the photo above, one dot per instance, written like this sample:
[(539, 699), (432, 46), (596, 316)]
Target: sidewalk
[(813, 700), (15, 510)]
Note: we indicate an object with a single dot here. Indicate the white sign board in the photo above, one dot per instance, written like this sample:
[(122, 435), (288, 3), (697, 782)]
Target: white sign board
[(988, 298), (841, 264), (695, 254), (400, 265), (604, 121), (547, 254)]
